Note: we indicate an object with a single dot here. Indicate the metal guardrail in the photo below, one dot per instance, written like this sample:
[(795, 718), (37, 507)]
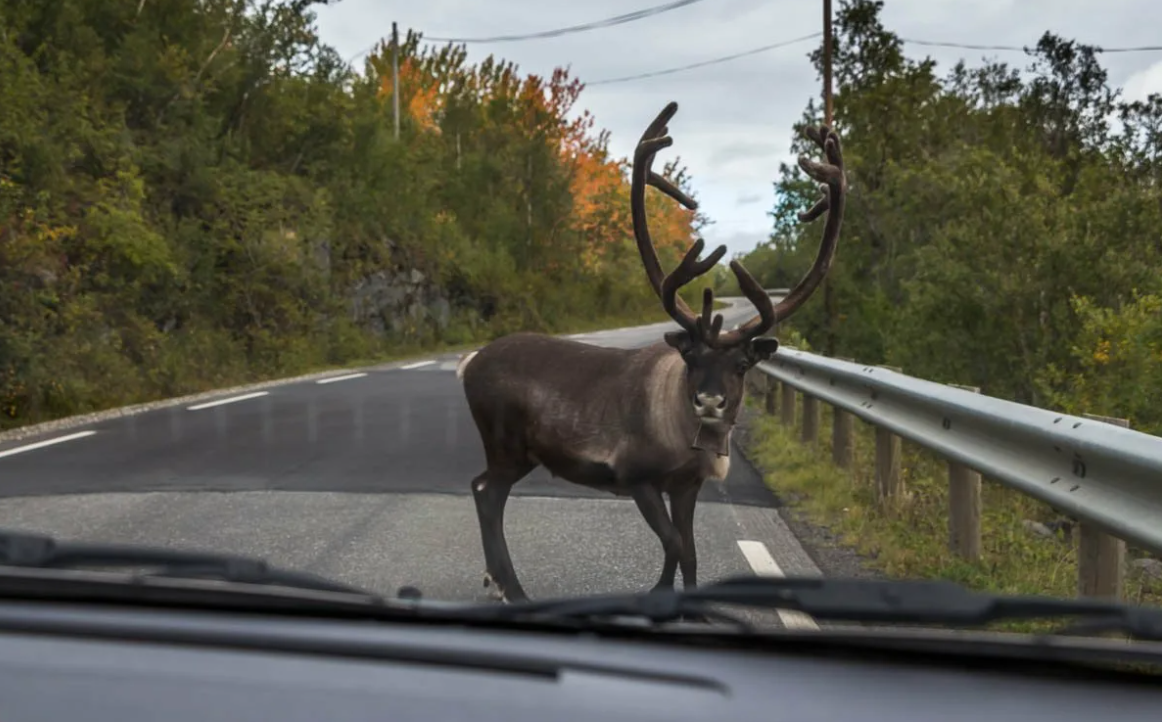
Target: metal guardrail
[(1106, 476)]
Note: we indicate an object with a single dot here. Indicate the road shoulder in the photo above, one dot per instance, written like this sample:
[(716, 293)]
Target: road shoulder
[(817, 542)]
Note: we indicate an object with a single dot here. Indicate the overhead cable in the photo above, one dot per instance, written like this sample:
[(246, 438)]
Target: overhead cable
[(583, 27), (766, 48), (970, 46), (596, 24), (704, 63)]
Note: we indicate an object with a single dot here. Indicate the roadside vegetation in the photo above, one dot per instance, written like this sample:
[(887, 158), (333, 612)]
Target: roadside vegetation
[(1025, 548), (200, 194), (1004, 231)]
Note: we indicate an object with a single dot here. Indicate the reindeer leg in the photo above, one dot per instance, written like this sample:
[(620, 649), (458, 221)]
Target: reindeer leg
[(653, 508), (682, 510), (682, 503), (490, 491)]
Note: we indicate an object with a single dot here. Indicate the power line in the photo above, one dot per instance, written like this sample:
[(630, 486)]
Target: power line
[(593, 25), (704, 63), (968, 46), (910, 41), (606, 23)]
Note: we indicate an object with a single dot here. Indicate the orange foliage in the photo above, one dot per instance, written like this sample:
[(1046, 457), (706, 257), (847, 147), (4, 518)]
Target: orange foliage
[(601, 210), (539, 109), (420, 96)]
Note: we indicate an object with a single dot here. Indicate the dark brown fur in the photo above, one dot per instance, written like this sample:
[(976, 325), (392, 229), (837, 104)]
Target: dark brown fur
[(635, 423)]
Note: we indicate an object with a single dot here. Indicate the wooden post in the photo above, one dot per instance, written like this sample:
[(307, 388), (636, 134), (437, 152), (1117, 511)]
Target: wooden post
[(828, 288), (888, 451), (827, 42), (842, 436), (964, 505), (1101, 557), (810, 431), (787, 404)]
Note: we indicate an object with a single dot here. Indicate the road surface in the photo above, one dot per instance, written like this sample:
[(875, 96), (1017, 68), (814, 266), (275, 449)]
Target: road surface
[(364, 477)]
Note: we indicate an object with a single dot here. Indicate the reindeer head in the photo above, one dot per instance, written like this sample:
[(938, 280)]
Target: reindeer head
[(717, 362)]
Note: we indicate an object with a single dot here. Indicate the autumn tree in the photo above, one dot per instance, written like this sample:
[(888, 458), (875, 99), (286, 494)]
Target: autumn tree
[(197, 193)]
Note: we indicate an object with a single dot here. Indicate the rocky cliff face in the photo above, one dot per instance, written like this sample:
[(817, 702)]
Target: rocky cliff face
[(398, 301)]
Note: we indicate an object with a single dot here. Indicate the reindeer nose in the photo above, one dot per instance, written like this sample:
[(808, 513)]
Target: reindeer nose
[(712, 400)]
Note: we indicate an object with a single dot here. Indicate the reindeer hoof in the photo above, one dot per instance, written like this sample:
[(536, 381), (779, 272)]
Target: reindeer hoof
[(497, 590)]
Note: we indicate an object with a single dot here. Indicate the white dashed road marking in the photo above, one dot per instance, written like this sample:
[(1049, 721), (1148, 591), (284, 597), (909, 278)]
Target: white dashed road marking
[(417, 364), (230, 400), (333, 379), (47, 442), (764, 565)]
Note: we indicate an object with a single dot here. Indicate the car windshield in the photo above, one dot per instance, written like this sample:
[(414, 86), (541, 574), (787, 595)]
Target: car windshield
[(491, 305)]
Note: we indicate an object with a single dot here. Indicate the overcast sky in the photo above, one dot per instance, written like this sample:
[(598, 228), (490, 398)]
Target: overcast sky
[(734, 119)]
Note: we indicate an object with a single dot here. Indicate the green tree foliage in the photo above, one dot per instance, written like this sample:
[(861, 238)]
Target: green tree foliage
[(194, 193), (1002, 228)]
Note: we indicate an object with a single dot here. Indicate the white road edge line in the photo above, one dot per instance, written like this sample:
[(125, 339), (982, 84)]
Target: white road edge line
[(764, 564), (230, 400), (417, 364), (334, 379), (47, 442)]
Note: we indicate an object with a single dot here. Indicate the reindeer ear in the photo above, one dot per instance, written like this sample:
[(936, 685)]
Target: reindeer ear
[(761, 349), (679, 340)]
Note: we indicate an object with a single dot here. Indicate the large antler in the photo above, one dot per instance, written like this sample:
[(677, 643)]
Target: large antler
[(654, 139), (689, 269), (833, 182)]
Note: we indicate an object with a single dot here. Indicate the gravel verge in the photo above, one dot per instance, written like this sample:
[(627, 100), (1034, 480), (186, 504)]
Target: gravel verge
[(822, 546)]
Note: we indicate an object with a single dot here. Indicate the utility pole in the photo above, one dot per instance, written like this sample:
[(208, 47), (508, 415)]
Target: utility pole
[(828, 292), (395, 75), (827, 62)]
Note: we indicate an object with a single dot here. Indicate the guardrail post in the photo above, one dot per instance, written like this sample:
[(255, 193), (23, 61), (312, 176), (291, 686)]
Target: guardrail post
[(842, 436), (1101, 557), (787, 404), (810, 433), (756, 383), (888, 451), (964, 505), (772, 395)]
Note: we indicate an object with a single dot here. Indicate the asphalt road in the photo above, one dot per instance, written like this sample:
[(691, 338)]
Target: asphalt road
[(364, 477)]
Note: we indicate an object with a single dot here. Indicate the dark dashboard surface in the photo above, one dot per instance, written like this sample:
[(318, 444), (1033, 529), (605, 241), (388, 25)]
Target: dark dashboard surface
[(71, 666)]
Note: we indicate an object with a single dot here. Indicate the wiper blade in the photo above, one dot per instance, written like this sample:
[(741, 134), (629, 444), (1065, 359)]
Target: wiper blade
[(20, 549), (846, 600)]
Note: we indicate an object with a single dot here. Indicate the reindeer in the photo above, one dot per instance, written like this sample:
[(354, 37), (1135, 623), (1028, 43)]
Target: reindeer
[(636, 423)]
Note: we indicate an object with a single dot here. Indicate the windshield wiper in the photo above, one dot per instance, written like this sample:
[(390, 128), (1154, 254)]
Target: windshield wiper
[(21, 549), (837, 599)]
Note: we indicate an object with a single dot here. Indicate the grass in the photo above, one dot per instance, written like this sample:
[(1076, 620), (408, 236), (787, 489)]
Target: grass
[(85, 379), (911, 539)]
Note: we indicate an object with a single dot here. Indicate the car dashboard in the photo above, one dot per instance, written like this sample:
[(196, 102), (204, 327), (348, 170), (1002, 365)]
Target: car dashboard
[(108, 664)]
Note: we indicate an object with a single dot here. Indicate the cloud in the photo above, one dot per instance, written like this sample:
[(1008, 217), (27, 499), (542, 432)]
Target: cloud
[(733, 127), (747, 199), (736, 242), (738, 151), (1144, 83)]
